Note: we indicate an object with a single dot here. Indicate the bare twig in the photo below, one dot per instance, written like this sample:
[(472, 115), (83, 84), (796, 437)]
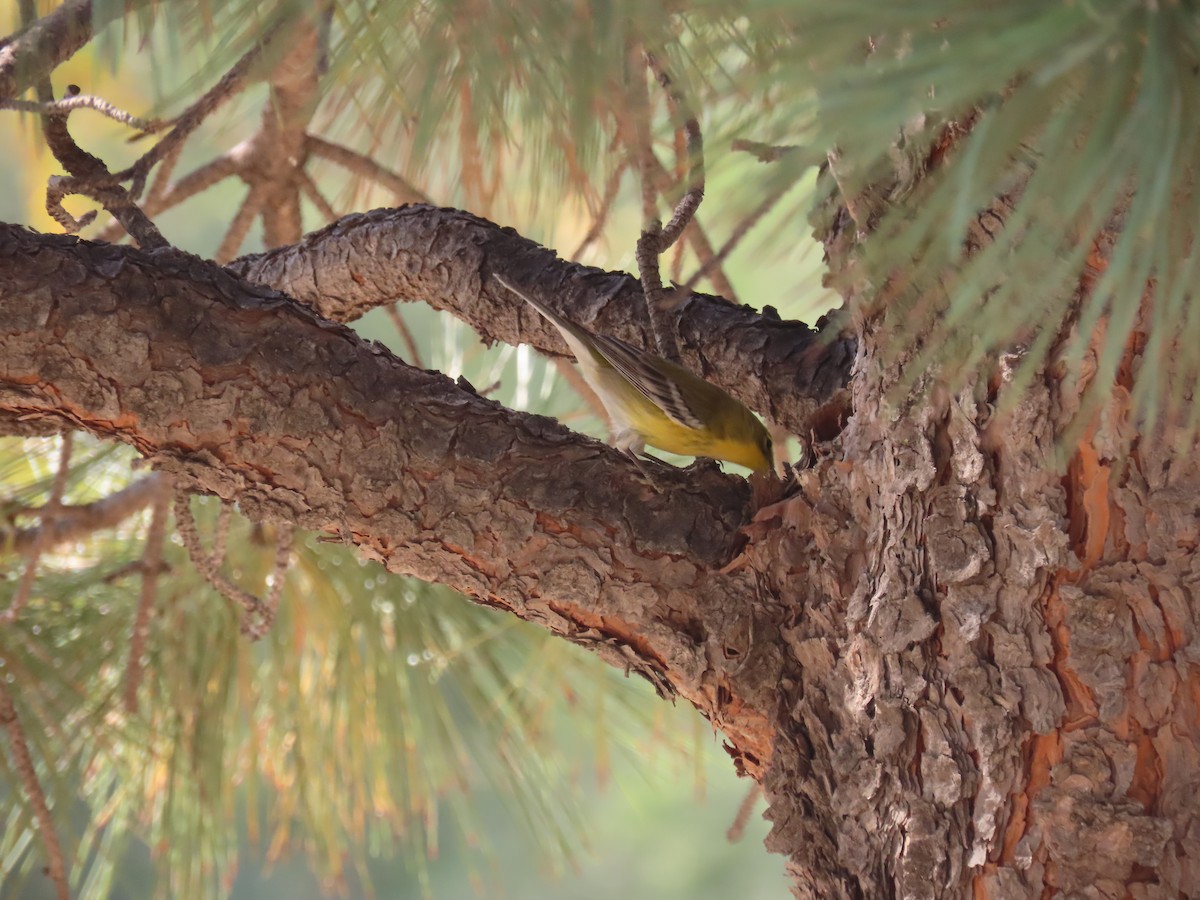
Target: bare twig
[(162, 178), (646, 254), (611, 186), (94, 180), (739, 232), (738, 828), (764, 152), (196, 181), (230, 84), (685, 121), (58, 188), (283, 555), (318, 199), (649, 243), (366, 167), (151, 563), (23, 763), (251, 605), (221, 534), (406, 335), (697, 238), (240, 226), (655, 238), (201, 178), (71, 523), (86, 101), (53, 504), (89, 177)]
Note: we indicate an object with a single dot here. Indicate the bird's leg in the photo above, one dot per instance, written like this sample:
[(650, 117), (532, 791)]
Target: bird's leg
[(633, 445)]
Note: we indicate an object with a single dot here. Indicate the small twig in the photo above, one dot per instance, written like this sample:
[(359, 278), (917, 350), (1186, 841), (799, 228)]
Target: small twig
[(23, 763), (230, 84), (685, 121), (200, 179), (162, 177), (697, 238), (740, 820), (185, 188), (89, 177), (655, 238), (765, 152), (87, 101), (406, 335), (611, 186), (677, 262), (251, 605), (647, 250), (53, 504), (318, 199), (221, 534), (739, 232), (646, 254), (363, 165), (122, 571), (58, 188), (283, 556), (240, 226), (151, 568)]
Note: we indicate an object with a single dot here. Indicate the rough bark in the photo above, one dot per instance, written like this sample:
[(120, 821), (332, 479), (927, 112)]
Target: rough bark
[(237, 391), (789, 372), (996, 693)]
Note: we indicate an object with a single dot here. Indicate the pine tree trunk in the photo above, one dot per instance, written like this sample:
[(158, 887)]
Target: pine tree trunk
[(991, 687)]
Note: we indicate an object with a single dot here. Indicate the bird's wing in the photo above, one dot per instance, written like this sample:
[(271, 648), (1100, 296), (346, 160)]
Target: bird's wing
[(639, 369)]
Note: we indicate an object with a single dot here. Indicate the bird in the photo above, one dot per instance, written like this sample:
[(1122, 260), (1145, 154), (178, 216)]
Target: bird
[(652, 401)]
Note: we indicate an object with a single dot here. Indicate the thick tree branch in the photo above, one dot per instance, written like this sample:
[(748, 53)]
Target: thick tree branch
[(240, 392), (443, 257)]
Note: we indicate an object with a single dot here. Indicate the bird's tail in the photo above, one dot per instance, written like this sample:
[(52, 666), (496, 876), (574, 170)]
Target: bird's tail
[(569, 330)]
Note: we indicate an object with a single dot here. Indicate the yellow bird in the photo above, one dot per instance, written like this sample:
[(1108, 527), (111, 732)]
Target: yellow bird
[(654, 402)]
